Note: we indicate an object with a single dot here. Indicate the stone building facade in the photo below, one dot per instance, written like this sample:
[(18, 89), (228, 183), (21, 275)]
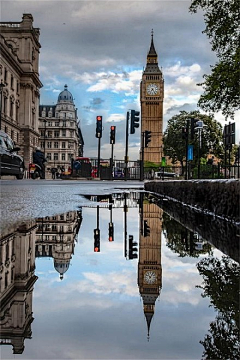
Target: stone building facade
[(60, 134), (20, 83)]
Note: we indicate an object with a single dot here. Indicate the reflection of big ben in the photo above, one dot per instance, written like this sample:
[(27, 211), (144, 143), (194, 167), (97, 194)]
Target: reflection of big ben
[(149, 265), (151, 97)]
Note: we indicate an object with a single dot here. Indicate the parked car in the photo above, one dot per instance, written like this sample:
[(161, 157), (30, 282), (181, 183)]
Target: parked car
[(10, 162), (165, 174)]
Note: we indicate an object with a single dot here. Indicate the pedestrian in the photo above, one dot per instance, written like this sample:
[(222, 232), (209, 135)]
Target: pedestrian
[(53, 171)]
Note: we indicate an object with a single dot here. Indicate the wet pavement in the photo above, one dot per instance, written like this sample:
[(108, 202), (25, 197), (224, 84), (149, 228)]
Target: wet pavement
[(28, 199), (73, 289)]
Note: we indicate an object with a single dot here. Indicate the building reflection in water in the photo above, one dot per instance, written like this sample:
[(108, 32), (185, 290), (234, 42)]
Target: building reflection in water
[(51, 236), (17, 266), (149, 263), (56, 237)]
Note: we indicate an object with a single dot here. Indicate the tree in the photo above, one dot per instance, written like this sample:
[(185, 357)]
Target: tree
[(179, 239), (175, 145), (221, 285), (221, 87)]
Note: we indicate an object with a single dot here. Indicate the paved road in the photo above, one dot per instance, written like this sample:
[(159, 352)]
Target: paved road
[(23, 200)]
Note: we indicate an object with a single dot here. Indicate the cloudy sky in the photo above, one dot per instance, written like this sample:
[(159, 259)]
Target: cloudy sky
[(99, 49)]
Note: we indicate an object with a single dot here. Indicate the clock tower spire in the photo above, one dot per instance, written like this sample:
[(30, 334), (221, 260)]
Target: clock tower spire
[(149, 264), (151, 97)]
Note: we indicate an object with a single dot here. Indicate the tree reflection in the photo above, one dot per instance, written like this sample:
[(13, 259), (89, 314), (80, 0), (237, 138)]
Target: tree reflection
[(221, 285), (181, 240)]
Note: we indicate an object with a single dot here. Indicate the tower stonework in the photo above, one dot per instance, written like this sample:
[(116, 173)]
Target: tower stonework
[(149, 265), (151, 97)]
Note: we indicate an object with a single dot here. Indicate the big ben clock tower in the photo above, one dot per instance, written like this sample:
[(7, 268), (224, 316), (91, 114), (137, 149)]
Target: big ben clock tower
[(149, 264), (151, 97)]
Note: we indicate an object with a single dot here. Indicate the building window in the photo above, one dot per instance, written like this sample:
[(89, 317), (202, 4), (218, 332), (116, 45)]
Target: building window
[(56, 144), (5, 75), (12, 135), (69, 156), (56, 123), (63, 145), (17, 113), (49, 123), (11, 109), (42, 144), (63, 157), (49, 134), (12, 82), (49, 144), (49, 157), (63, 132), (5, 105), (56, 134), (55, 156)]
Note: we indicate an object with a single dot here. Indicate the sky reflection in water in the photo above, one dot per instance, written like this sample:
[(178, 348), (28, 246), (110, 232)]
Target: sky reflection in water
[(96, 311)]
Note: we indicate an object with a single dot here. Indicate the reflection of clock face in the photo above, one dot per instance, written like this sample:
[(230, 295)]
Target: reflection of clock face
[(152, 89), (150, 277)]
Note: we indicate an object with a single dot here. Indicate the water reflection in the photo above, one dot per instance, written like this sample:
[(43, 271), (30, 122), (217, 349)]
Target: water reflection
[(56, 238), (221, 285), (17, 277), (149, 264), (46, 237)]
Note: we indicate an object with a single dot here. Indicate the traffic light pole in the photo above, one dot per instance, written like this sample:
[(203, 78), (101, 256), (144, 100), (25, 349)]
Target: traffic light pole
[(142, 159), (187, 133), (125, 225), (99, 148), (126, 148), (111, 163)]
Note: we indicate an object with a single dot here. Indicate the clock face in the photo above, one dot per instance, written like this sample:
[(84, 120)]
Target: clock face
[(152, 89), (150, 277)]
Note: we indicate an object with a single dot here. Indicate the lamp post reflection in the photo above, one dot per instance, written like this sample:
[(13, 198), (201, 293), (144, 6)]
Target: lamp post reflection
[(1, 91)]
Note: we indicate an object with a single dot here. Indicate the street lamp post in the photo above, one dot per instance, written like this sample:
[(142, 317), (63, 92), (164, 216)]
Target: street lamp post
[(44, 136), (44, 141), (1, 90)]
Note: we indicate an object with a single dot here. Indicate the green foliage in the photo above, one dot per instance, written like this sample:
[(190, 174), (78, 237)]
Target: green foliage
[(221, 285), (175, 145), (180, 240), (221, 87)]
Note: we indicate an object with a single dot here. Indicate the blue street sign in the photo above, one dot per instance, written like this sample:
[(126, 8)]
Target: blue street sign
[(190, 152)]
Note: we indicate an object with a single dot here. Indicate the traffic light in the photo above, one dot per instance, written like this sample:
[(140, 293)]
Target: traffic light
[(134, 121), (132, 248), (194, 126), (112, 134), (146, 229), (147, 138), (96, 240), (110, 232), (98, 126), (184, 133)]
